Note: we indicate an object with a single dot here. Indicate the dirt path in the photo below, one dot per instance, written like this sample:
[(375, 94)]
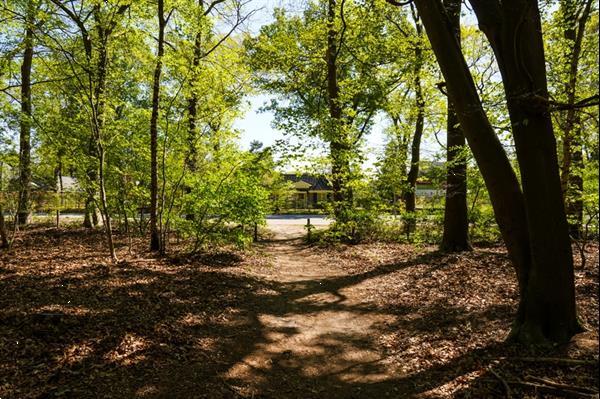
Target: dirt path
[(368, 321), (320, 335)]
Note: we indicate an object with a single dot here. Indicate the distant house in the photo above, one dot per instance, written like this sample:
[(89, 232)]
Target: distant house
[(46, 194), (310, 191)]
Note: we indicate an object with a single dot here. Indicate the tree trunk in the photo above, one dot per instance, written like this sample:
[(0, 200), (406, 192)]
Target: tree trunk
[(59, 191), (154, 233), (456, 222), (572, 155), (340, 155), (410, 193), (90, 218), (514, 31), (105, 210), (98, 115), (574, 194), (24, 206), (4, 241), (192, 158), (500, 179)]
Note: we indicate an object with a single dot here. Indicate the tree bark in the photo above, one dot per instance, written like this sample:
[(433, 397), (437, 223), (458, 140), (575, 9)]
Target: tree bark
[(59, 190), (515, 33), (99, 115), (340, 161), (533, 224), (90, 218), (97, 75), (192, 159), (410, 192), (24, 206), (572, 154), (154, 231), (4, 241), (500, 179), (456, 221)]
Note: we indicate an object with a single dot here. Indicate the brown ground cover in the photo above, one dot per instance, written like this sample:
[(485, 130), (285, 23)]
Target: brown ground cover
[(284, 321)]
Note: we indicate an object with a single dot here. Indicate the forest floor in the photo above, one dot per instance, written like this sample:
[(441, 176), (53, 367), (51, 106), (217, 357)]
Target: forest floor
[(285, 320)]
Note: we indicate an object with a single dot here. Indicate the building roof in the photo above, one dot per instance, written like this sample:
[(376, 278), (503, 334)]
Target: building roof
[(314, 182)]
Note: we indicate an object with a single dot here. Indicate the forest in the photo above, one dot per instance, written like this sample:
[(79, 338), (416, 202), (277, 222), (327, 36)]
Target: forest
[(419, 217)]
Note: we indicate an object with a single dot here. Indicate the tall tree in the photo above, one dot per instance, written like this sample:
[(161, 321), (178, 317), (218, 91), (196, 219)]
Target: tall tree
[(456, 222), (335, 96), (339, 143), (574, 17), (410, 193), (538, 244), (550, 298), (25, 117), (105, 18), (203, 46), (154, 230)]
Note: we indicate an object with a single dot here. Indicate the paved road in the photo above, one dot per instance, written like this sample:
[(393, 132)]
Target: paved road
[(282, 226), (294, 226), (317, 220)]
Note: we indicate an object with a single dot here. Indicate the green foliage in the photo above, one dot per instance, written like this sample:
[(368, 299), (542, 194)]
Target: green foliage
[(226, 200), (213, 192)]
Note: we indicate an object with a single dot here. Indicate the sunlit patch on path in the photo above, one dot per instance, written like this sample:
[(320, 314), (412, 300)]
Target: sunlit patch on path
[(313, 331)]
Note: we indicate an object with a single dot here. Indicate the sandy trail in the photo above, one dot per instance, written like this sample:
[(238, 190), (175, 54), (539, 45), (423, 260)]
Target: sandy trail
[(319, 335)]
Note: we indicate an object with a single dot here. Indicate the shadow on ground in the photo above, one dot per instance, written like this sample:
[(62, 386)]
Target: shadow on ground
[(74, 326)]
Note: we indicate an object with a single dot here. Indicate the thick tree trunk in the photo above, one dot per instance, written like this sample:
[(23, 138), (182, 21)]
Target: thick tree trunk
[(533, 224), (456, 221), (154, 231), (572, 155), (87, 216), (340, 172), (339, 153), (499, 177), (514, 31), (90, 217), (24, 206)]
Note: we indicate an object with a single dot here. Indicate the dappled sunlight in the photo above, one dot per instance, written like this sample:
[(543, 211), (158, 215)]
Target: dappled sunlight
[(191, 320), (128, 350), (76, 353), (328, 342), (67, 309), (147, 391), (308, 323)]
